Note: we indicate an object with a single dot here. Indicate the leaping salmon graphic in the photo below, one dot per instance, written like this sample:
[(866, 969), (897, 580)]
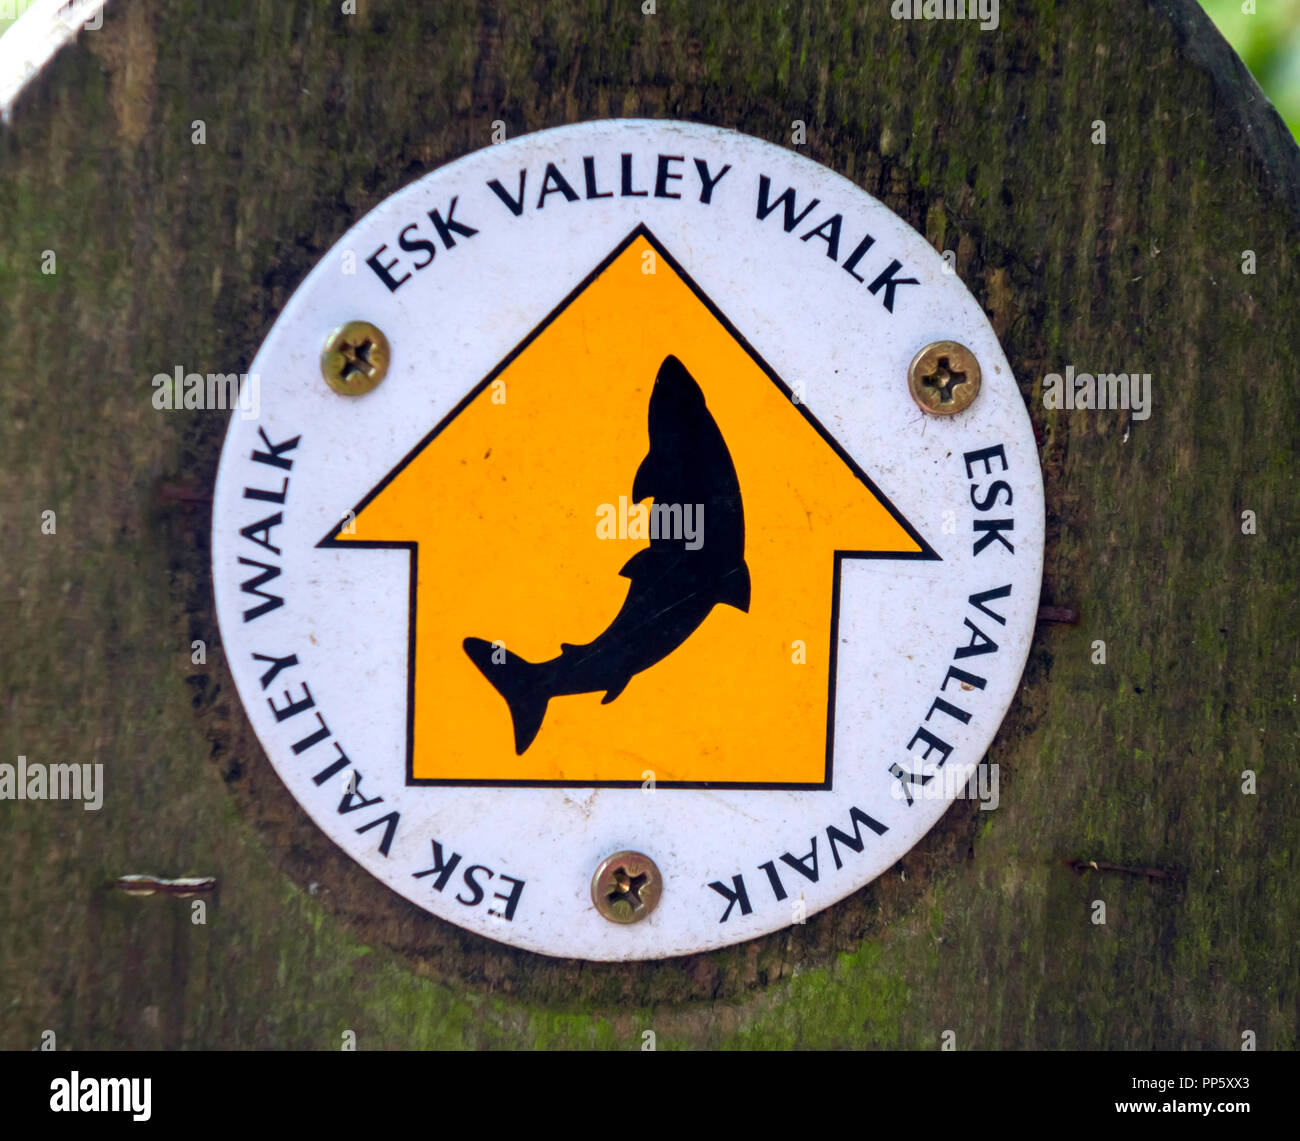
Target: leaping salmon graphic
[(673, 587)]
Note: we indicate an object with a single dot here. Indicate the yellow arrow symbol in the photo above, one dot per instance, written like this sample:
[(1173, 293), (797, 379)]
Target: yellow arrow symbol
[(519, 514)]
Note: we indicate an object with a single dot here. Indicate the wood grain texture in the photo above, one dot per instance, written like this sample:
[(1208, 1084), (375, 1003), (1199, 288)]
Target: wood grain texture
[(1122, 257)]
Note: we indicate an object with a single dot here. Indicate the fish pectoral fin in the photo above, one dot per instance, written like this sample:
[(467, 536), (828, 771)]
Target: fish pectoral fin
[(734, 588), (638, 563), (614, 691), (645, 476)]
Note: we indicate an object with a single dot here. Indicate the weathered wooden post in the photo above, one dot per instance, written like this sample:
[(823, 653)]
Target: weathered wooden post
[(1118, 197)]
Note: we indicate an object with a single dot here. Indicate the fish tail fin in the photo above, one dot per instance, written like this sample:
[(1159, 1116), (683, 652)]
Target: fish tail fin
[(735, 588), (516, 680)]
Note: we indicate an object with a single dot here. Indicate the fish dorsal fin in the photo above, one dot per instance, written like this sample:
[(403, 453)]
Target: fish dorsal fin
[(734, 589)]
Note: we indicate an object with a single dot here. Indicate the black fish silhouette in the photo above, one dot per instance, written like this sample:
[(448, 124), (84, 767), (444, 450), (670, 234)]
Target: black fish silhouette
[(673, 588)]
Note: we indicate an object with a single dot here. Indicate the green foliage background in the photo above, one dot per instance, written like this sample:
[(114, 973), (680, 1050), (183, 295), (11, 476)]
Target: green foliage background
[(170, 252), (1268, 41)]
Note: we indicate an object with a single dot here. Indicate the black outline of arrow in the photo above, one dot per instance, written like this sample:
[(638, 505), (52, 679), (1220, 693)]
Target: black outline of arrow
[(332, 542)]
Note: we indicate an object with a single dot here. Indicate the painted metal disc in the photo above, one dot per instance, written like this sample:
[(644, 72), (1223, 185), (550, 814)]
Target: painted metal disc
[(597, 495)]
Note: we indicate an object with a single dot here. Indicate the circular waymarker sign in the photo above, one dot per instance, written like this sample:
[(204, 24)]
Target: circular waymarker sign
[(631, 540)]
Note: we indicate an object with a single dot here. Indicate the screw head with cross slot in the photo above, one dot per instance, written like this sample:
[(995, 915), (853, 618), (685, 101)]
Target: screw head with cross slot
[(355, 358), (626, 887), (944, 378)]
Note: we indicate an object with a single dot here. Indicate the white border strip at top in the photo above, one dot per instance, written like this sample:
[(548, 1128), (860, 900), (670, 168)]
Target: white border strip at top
[(32, 40)]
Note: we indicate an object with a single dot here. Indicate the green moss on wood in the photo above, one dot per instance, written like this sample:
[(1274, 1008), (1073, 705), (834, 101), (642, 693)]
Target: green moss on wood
[(1107, 258)]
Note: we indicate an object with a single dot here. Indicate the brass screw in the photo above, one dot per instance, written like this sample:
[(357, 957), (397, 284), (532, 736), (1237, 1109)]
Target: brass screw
[(944, 378), (355, 358), (626, 887)]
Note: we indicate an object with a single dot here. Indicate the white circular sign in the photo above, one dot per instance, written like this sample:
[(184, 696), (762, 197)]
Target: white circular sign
[(621, 530)]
